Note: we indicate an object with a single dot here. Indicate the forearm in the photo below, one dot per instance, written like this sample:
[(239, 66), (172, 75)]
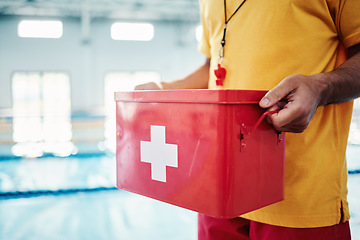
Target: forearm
[(196, 80), (298, 96), (342, 84)]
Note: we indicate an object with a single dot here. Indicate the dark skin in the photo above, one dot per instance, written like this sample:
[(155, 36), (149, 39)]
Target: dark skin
[(296, 97)]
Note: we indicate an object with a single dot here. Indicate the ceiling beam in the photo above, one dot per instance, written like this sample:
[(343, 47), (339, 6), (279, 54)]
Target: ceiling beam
[(118, 9)]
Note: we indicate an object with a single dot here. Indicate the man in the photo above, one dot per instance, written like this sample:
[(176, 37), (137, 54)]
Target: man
[(291, 47)]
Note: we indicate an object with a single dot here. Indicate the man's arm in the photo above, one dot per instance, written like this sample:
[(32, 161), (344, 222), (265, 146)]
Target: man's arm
[(196, 80), (298, 96)]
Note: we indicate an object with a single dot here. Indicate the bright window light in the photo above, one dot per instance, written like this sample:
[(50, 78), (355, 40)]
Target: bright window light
[(117, 82), (41, 113), (199, 33), (132, 31), (40, 29)]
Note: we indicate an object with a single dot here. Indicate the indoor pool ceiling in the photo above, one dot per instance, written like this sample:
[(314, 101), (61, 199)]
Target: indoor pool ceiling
[(153, 10)]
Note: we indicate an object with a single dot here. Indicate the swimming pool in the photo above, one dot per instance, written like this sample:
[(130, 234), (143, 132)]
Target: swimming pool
[(75, 198)]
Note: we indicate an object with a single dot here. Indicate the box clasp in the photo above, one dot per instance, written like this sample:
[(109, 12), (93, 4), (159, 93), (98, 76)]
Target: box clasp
[(245, 133), (280, 137)]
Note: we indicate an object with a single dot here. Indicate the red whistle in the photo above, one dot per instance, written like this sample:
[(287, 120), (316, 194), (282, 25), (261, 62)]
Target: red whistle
[(220, 73)]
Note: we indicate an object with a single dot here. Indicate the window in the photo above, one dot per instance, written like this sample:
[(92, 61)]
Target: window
[(199, 32), (132, 31), (40, 29), (115, 82), (41, 113)]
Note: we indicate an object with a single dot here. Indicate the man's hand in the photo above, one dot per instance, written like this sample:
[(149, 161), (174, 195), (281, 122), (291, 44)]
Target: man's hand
[(149, 86), (297, 97), (195, 80)]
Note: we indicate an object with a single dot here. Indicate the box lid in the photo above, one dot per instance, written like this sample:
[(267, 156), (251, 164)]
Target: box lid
[(223, 96)]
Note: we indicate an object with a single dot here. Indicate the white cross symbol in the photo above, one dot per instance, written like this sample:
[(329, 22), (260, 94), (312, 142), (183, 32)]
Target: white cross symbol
[(158, 153)]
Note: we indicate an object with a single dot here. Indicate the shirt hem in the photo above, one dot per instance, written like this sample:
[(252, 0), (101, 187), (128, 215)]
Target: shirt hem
[(297, 221)]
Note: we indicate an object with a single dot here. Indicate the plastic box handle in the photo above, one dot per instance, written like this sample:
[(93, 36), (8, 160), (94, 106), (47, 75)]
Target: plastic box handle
[(248, 133)]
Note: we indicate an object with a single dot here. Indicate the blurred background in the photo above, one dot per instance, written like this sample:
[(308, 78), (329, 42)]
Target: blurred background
[(60, 63)]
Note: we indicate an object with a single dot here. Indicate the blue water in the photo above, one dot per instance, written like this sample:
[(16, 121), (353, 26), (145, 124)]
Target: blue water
[(101, 215), (74, 198), (52, 173)]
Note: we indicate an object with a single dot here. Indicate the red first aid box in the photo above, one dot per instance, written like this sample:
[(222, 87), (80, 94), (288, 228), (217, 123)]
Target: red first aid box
[(205, 150)]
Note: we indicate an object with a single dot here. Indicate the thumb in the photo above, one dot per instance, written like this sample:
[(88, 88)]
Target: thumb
[(275, 95)]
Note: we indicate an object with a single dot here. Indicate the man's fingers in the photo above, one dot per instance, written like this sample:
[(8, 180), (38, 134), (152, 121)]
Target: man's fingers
[(276, 94), (297, 100), (280, 119), (149, 86), (290, 119)]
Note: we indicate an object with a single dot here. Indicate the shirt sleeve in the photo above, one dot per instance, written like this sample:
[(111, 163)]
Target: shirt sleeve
[(350, 23), (204, 45)]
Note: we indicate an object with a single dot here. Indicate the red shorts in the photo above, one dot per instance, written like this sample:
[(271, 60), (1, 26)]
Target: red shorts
[(240, 229)]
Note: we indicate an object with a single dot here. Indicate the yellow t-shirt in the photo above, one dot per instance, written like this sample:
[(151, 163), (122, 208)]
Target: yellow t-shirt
[(267, 41)]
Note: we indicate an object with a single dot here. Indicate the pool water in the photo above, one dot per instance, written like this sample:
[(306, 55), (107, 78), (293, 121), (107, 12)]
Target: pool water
[(75, 198)]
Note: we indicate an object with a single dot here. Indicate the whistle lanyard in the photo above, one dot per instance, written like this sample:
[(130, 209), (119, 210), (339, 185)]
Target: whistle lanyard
[(221, 52), (220, 72)]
